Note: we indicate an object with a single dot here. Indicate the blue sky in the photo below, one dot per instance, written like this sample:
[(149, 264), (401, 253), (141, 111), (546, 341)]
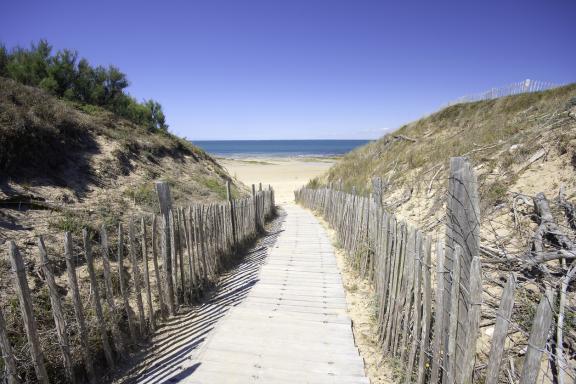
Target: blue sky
[(306, 69)]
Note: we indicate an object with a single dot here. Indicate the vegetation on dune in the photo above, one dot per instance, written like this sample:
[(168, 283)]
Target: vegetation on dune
[(40, 135), (64, 75), (498, 135)]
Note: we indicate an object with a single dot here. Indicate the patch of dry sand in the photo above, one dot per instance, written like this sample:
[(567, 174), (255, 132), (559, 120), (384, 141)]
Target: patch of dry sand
[(285, 175)]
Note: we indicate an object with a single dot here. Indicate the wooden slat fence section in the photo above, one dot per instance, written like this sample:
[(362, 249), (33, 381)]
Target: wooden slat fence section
[(525, 86), (429, 308), (195, 242)]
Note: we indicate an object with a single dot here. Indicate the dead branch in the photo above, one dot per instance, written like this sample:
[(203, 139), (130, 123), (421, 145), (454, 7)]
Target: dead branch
[(543, 257), (568, 207), (429, 192), (402, 137), (547, 229)]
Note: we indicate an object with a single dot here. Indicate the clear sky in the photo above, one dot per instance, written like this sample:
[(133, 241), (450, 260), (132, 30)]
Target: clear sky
[(305, 69)]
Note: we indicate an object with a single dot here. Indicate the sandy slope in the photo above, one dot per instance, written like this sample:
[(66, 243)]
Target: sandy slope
[(285, 175)]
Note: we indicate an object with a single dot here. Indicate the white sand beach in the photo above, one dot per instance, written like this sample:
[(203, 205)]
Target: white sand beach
[(285, 174)]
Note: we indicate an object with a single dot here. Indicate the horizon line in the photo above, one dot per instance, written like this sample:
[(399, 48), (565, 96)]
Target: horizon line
[(196, 140)]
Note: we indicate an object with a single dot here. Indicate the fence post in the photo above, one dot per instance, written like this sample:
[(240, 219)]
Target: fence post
[(501, 331), (123, 286), (473, 324), (163, 191), (73, 281), (463, 230), (537, 340), (23, 292), (232, 218), (156, 268), (147, 275), (96, 299), (136, 278), (377, 190), (437, 346), (451, 367), (7, 354), (57, 311), (426, 312), (255, 202), (117, 335)]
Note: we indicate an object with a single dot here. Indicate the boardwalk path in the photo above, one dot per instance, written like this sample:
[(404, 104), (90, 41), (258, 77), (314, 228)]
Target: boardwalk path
[(280, 317)]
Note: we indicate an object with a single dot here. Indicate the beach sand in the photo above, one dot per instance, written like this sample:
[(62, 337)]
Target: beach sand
[(285, 175)]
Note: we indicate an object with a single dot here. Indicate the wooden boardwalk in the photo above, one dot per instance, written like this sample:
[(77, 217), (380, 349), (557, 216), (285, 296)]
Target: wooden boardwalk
[(290, 326)]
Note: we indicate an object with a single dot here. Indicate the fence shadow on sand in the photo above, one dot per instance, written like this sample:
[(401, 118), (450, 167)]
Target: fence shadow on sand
[(169, 356)]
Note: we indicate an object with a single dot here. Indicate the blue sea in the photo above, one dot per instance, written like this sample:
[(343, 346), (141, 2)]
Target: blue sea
[(235, 149)]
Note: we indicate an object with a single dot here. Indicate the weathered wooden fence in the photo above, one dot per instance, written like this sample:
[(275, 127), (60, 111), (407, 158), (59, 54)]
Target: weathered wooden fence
[(525, 86), (167, 260), (429, 308)]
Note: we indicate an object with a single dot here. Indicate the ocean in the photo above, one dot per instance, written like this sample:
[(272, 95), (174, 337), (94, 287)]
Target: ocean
[(235, 149)]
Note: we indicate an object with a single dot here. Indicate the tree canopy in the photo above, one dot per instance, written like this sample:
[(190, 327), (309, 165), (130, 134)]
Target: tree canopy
[(64, 75)]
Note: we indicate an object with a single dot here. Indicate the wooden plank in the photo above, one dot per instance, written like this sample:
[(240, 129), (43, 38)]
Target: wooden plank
[(11, 373), (501, 331), (188, 241), (438, 348), (454, 308), (57, 311), (426, 313), (96, 300), (232, 218), (179, 249), (165, 200), (174, 257), (415, 334), (537, 340), (147, 275), (124, 286), (116, 319), (407, 295), (154, 240), (475, 307), (25, 299), (136, 278), (77, 301)]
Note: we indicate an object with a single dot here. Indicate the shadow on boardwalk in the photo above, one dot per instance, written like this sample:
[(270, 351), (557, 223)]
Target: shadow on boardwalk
[(169, 355)]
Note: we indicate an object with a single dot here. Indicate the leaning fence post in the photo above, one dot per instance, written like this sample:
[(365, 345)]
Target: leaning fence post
[(96, 299), (136, 278), (537, 340), (255, 202), (501, 331), (57, 311), (117, 335), (473, 320), (426, 312), (147, 276), (451, 367), (163, 191), (7, 354), (232, 218), (73, 282), (154, 241), (23, 292), (123, 285)]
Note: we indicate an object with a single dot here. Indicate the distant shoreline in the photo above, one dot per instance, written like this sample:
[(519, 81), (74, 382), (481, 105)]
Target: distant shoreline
[(318, 150)]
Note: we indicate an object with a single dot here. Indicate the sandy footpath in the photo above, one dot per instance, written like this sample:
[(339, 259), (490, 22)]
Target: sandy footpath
[(285, 175)]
